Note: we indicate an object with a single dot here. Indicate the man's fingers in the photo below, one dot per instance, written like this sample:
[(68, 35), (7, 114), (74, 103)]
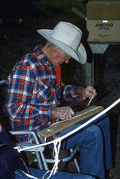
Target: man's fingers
[(68, 112), (90, 92), (63, 112)]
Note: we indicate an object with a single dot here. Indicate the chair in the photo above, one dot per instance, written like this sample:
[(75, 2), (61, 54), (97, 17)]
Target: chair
[(39, 151)]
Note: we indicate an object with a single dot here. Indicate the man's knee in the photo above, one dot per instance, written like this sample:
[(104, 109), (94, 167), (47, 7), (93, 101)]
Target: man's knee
[(93, 134)]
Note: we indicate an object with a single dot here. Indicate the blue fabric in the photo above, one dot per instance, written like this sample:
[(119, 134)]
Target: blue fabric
[(10, 159), (95, 145), (59, 175), (9, 162), (94, 140), (6, 138)]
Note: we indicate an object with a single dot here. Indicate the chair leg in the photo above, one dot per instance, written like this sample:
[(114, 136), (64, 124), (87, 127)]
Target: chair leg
[(68, 158), (39, 160), (76, 162), (44, 161)]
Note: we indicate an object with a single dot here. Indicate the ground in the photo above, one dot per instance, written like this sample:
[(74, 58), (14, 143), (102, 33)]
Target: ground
[(18, 39)]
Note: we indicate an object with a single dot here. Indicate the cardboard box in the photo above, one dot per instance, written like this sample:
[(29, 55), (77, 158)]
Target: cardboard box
[(103, 21)]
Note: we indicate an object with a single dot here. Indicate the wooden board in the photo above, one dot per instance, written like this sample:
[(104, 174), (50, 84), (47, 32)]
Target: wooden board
[(80, 116)]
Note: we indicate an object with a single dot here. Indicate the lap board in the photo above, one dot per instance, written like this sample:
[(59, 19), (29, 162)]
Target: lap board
[(80, 116)]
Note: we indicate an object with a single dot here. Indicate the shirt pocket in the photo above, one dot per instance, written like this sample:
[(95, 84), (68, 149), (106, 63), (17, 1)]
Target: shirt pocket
[(47, 90)]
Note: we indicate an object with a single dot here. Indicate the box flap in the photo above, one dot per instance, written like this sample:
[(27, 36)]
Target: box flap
[(107, 10)]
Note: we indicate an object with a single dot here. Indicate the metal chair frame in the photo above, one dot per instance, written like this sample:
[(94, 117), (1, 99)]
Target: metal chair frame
[(39, 151)]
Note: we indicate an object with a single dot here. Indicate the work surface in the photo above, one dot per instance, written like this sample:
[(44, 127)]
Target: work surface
[(78, 117)]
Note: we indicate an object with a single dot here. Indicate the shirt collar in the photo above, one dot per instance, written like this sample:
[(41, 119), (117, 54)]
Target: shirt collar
[(46, 60)]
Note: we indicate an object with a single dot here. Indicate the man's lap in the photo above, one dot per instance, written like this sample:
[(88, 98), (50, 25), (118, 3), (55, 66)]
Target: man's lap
[(39, 174)]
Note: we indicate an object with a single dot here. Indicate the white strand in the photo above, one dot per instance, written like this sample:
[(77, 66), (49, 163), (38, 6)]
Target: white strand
[(30, 176), (45, 174), (90, 101), (20, 149), (57, 146)]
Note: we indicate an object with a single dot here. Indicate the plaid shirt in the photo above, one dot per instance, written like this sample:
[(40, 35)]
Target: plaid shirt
[(33, 92)]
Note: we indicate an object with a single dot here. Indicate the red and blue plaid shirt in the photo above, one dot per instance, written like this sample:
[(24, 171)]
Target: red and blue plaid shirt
[(33, 92)]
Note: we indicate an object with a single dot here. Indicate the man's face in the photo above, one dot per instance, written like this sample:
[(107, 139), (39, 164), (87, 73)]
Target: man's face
[(60, 57)]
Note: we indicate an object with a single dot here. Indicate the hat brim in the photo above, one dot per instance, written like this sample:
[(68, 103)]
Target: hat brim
[(80, 55)]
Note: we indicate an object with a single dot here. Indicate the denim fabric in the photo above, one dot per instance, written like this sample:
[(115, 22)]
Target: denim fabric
[(10, 159), (39, 174), (95, 153)]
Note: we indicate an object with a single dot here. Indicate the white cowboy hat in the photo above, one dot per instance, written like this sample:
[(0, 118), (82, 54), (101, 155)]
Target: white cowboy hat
[(67, 37)]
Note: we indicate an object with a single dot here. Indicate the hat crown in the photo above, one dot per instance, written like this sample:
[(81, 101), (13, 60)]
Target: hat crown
[(62, 32), (67, 37)]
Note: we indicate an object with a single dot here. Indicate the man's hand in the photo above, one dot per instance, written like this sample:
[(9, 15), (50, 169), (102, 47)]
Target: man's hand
[(88, 92), (62, 112)]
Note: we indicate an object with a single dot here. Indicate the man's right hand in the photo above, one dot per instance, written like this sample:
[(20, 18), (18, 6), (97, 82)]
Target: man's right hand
[(62, 112)]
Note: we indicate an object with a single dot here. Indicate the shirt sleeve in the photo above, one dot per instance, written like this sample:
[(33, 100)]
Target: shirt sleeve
[(22, 100), (70, 93)]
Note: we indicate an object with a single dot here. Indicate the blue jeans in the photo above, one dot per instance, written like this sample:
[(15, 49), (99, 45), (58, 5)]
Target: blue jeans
[(95, 153), (39, 174)]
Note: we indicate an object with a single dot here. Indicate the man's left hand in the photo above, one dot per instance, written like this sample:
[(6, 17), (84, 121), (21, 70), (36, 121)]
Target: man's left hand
[(88, 92)]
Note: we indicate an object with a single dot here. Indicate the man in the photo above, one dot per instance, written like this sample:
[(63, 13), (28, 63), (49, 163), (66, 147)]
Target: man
[(13, 166), (34, 95)]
